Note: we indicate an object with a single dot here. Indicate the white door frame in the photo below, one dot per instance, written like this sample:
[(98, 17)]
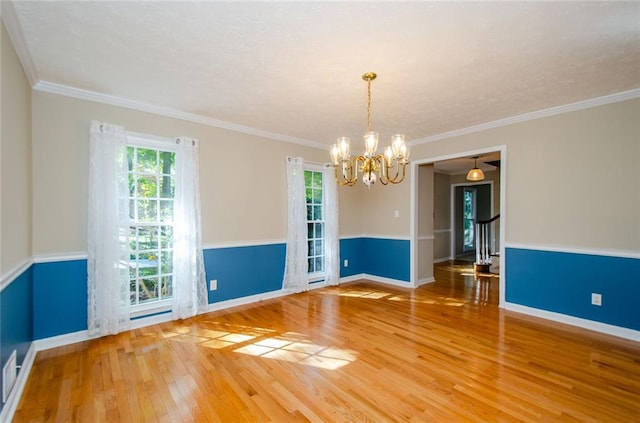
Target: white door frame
[(503, 215)]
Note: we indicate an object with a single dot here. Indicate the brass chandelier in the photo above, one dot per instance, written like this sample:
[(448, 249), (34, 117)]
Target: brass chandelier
[(388, 167)]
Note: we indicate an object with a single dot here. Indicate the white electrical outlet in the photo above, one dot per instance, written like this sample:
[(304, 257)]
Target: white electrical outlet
[(346, 263), (213, 284), (596, 299)]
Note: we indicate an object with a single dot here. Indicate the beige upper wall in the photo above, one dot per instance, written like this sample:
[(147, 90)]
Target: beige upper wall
[(242, 177), (572, 180), (15, 191)]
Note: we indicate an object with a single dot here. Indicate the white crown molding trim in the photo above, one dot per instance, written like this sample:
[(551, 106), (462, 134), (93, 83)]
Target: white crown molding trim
[(50, 258), (14, 30), (13, 274), (575, 250), (10, 406), (236, 244), (67, 91), (605, 328), (552, 111)]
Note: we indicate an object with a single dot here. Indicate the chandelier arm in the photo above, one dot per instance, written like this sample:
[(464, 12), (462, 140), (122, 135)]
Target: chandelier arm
[(383, 164), (404, 167)]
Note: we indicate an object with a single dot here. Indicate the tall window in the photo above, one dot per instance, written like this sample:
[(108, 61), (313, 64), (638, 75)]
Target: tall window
[(469, 217), (151, 204), (315, 222)]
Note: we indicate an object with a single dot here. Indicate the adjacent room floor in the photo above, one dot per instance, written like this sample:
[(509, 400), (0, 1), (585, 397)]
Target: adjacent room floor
[(358, 352)]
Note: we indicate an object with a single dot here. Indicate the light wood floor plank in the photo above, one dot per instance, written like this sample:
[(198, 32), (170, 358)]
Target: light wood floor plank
[(358, 352)]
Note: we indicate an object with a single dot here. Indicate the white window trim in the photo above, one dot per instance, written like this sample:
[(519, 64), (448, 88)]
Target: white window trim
[(139, 140), (318, 276)]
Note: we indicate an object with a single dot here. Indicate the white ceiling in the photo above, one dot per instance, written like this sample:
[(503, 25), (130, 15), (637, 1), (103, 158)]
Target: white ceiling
[(294, 68)]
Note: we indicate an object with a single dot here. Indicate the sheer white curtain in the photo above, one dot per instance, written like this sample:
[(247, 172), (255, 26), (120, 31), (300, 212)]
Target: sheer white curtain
[(296, 266), (108, 231), (189, 284), (331, 228)]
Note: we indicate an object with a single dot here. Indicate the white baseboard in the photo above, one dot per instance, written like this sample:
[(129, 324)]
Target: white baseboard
[(441, 259), (605, 328), (61, 340), (10, 406), (426, 281), (379, 279), (248, 300)]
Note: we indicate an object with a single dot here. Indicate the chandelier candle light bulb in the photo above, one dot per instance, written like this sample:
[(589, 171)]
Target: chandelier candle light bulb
[(373, 166)]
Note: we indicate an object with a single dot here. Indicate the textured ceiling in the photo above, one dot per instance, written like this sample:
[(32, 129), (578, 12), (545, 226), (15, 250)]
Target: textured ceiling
[(294, 68)]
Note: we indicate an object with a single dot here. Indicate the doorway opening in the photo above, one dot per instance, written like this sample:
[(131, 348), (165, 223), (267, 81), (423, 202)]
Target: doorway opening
[(458, 206)]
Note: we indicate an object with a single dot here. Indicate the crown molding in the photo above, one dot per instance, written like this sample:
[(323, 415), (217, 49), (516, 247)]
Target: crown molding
[(14, 30), (67, 91), (552, 111)]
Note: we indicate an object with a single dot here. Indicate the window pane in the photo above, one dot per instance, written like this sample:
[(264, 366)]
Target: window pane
[(311, 265), (148, 289), (167, 187), (147, 186), (317, 196), (310, 250), (318, 248), (319, 264), (310, 230), (166, 210), (147, 211), (166, 237), (166, 262), (317, 212), (319, 227), (147, 160), (167, 287), (133, 286), (130, 157), (167, 163), (317, 180), (309, 212), (132, 185)]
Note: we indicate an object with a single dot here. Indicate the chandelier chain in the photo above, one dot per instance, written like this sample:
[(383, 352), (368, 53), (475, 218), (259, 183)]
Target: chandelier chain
[(369, 106)]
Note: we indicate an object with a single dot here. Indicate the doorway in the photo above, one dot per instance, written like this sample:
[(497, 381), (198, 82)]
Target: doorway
[(444, 235)]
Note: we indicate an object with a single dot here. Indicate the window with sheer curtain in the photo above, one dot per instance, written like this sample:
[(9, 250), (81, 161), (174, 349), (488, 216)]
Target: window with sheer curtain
[(144, 246), (312, 252)]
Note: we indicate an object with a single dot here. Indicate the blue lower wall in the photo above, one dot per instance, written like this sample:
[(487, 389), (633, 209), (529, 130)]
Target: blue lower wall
[(351, 249), (50, 299), (60, 298), (60, 288), (387, 258), (563, 283), (16, 314), (244, 271)]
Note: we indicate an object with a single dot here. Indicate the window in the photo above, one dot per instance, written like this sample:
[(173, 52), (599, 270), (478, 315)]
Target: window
[(315, 223), (151, 201), (469, 217)]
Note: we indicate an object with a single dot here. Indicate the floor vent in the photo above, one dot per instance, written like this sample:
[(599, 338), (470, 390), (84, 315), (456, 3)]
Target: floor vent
[(9, 375)]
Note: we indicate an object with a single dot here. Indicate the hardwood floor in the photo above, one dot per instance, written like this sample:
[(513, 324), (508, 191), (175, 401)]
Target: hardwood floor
[(358, 352)]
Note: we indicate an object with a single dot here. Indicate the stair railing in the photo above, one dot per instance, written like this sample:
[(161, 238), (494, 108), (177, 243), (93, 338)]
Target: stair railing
[(483, 250)]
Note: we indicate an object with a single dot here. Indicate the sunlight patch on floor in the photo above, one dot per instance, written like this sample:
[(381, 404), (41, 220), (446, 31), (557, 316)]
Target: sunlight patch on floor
[(292, 349)]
